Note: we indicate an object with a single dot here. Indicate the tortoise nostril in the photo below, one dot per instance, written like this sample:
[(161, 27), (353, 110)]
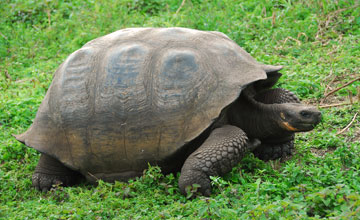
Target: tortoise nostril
[(305, 114)]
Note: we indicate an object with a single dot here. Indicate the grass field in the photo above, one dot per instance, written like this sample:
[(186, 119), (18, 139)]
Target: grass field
[(316, 41)]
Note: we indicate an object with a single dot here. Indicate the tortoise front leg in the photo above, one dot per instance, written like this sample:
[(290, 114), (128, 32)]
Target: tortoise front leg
[(275, 149), (222, 150), (50, 171)]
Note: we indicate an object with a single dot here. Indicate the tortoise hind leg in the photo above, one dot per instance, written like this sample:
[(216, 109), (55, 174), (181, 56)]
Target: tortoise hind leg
[(221, 151), (50, 171)]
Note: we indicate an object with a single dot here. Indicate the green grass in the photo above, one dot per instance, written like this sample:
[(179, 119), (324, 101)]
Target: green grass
[(316, 41)]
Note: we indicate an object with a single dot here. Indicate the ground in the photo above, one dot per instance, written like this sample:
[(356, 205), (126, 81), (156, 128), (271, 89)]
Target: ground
[(317, 42)]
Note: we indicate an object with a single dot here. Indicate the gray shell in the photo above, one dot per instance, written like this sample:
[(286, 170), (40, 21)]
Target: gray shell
[(138, 95)]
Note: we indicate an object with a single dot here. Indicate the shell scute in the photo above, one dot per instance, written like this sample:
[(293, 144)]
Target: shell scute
[(121, 81), (179, 83)]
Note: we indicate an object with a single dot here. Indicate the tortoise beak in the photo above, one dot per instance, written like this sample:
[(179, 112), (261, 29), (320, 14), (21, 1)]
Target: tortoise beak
[(288, 127)]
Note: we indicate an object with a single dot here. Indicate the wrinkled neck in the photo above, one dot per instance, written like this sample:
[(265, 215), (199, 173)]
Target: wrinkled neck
[(258, 120)]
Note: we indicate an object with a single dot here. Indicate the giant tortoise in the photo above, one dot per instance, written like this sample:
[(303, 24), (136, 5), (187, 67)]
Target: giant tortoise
[(178, 98)]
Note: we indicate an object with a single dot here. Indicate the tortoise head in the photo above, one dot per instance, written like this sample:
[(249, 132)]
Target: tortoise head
[(271, 116), (295, 117)]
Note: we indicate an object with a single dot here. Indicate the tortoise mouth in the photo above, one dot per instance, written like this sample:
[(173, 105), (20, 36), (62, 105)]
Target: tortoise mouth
[(298, 127)]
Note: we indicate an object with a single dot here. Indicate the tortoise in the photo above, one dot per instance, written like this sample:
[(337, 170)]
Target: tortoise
[(178, 98)]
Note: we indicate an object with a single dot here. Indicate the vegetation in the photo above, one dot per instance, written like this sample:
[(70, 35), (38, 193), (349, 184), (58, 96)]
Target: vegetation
[(317, 41)]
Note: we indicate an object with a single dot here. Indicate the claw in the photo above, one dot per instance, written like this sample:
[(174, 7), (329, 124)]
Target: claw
[(50, 173), (58, 182), (207, 193), (254, 143)]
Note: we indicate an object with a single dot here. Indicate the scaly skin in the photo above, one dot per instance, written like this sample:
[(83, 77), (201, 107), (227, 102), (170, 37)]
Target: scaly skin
[(50, 172), (278, 95), (223, 149), (267, 151), (282, 150)]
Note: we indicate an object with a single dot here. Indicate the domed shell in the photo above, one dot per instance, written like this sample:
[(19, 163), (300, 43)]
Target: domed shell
[(138, 95)]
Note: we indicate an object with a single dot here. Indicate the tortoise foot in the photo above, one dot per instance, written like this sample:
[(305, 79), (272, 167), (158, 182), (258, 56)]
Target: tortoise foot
[(50, 173), (44, 182), (274, 151)]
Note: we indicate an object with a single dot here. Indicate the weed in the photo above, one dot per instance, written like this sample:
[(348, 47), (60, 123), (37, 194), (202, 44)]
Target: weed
[(317, 42)]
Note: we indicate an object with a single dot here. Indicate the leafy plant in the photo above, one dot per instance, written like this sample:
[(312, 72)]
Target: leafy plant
[(317, 42)]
